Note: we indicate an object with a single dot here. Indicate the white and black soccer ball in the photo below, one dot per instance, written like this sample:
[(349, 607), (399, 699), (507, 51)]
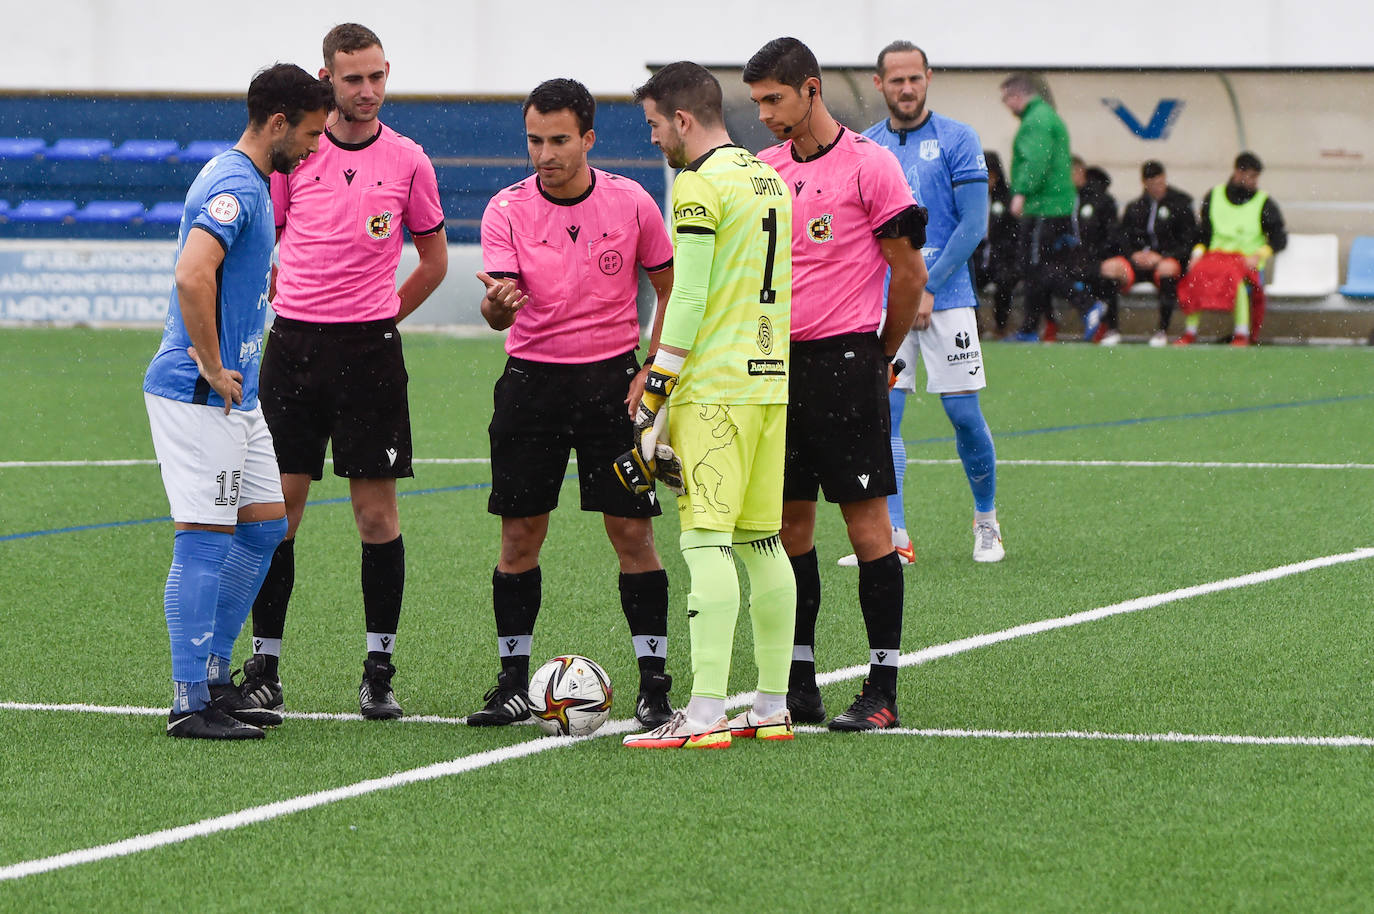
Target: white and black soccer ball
[(570, 696)]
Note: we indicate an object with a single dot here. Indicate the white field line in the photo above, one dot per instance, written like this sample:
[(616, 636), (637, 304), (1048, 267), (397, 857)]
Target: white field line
[(949, 649), (1147, 464), (1171, 737), (463, 764)]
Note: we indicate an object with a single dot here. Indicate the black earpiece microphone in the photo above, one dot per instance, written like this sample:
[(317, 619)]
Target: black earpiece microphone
[(811, 93)]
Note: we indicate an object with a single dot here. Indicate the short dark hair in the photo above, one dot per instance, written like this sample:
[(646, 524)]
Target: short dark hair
[(1248, 161), (685, 86), (348, 37), (901, 46), (1151, 169), (784, 60), (287, 89), (558, 94)]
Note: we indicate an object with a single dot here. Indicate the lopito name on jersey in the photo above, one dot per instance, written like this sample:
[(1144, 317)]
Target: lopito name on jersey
[(767, 186)]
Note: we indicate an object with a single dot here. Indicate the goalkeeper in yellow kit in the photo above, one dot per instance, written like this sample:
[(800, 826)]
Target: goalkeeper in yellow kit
[(720, 350)]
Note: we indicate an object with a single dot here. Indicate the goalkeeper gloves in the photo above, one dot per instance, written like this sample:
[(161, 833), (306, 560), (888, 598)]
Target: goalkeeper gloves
[(652, 456)]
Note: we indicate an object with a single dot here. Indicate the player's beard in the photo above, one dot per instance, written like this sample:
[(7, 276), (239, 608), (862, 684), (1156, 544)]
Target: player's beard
[(899, 118), (282, 160), (676, 154)]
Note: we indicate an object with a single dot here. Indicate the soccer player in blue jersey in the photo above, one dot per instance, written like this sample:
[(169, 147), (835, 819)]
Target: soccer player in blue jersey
[(201, 391), (943, 159)]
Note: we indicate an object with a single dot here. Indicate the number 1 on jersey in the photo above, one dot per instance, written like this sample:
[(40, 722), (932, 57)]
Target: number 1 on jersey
[(768, 295)]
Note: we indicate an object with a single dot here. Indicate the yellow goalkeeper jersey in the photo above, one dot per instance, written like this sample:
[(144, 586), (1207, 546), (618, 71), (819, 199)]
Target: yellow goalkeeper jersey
[(739, 349)]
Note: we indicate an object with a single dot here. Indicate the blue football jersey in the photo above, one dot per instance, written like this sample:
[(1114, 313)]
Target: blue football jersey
[(231, 200), (938, 156)]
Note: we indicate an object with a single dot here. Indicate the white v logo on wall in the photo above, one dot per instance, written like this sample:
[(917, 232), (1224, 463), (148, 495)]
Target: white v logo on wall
[(930, 150)]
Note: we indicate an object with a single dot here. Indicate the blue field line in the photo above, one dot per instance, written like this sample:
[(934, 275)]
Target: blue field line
[(162, 520), (1144, 419)]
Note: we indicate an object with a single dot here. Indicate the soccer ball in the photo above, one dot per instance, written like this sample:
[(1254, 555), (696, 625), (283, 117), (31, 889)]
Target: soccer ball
[(570, 696)]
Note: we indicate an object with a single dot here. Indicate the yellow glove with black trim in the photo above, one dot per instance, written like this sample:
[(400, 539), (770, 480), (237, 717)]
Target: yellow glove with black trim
[(652, 457)]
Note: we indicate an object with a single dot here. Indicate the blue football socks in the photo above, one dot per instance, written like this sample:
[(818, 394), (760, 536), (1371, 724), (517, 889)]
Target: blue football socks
[(973, 440), (896, 510), (189, 604), (245, 566)]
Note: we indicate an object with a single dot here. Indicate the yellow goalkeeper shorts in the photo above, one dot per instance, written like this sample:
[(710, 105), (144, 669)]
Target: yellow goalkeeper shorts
[(732, 460)]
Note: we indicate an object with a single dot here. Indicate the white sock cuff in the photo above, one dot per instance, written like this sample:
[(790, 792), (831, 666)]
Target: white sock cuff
[(804, 652), (514, 645), (267, 646), (383, 642), (651, 645), (881, 656)]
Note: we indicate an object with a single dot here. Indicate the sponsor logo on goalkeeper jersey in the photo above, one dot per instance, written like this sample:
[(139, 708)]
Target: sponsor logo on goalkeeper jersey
[(379, 226), (967, 355), (767, 367)]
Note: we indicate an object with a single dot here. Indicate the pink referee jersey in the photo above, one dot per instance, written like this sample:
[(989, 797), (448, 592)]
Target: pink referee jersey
[(340, 215), (839, 199), (577, 260)]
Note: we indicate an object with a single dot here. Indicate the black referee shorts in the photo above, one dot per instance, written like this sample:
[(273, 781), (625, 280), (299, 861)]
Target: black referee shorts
[(838, 423), (541, 412), (344, 383)]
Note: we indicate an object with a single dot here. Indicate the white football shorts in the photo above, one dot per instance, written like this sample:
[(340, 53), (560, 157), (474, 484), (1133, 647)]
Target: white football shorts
[(212, 464), (951, 351)]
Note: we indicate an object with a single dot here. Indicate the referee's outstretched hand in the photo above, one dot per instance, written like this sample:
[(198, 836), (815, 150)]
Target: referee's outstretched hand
[(502, 300)]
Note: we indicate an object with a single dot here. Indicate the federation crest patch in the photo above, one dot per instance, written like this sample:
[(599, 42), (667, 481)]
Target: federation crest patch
[(930, 150), (818, 229), (610, 262), (379, 227), (224, 209)]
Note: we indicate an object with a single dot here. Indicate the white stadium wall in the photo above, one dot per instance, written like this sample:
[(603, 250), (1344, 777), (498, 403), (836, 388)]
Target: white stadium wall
[(471, 46), (1262, 76)]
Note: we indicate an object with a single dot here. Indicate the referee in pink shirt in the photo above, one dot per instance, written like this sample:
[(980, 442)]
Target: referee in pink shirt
[(333, 368), (853, 219), (560, 253)]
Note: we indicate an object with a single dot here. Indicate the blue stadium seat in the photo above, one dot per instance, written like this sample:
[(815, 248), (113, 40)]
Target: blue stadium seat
[(110, 211), (166, 213), (20, 147), (42, 211), (203, 150), (1359, 271), (146, 151), (72, 149)]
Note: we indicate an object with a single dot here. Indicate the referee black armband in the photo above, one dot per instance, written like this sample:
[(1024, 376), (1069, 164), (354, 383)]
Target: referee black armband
[(910, 223)]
